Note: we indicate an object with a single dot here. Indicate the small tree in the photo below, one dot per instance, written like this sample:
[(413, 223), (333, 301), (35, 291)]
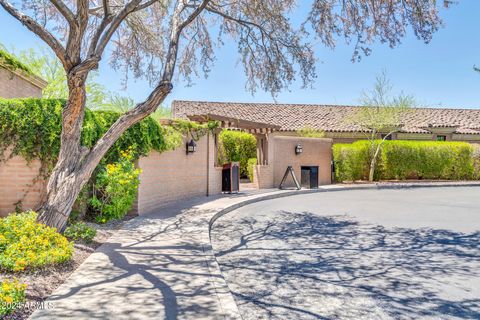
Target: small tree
[(160, 39), (380, 117)]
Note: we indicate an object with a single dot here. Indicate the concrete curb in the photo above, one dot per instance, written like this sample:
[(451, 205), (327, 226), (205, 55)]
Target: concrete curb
[(226, 299)]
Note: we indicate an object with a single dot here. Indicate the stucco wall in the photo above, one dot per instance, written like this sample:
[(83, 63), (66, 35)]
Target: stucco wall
[(19, 182), (316, 152), (15, 86), (174, 175)]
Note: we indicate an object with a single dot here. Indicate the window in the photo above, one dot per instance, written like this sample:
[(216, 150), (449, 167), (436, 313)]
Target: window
[(441, 138), (385, 135)]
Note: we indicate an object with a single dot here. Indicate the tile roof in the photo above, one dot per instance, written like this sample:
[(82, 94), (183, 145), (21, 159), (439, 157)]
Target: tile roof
[(330, 118)]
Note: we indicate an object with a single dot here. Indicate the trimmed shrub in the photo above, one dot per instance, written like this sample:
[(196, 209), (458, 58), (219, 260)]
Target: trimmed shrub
[(237, 146), (476, 161), (351, 161), (115, 188), (252, 162), (427, 160), (80, 231), (407, 160), (24, 243), (12, 293)]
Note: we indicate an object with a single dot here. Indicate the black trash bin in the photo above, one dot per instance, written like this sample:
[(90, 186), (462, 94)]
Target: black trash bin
[(309, 177), (231, 177)]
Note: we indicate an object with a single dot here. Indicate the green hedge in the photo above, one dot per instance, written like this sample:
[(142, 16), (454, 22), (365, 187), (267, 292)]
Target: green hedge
[(408, 160), (252, 162), (237, 146)]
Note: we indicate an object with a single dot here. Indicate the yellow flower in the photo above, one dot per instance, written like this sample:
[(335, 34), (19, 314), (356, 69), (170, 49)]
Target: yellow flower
[(8, 299)]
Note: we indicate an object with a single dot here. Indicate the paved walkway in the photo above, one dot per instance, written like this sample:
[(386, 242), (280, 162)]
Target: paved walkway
[(159, 266)]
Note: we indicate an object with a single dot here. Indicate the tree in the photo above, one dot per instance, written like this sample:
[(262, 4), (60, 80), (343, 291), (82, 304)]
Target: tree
[(46, 65), (380, 117), (158, 39)]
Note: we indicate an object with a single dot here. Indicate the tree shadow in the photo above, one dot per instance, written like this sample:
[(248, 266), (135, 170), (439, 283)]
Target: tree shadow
[(156, 271), (301, 265)]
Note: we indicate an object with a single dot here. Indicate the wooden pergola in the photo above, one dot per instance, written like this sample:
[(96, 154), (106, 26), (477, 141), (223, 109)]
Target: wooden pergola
[(258, 129)]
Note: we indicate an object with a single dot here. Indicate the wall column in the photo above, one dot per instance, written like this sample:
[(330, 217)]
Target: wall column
[(262, 149)]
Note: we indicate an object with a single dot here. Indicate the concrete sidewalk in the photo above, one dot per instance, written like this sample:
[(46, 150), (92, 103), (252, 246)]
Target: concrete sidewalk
[(161, 266)]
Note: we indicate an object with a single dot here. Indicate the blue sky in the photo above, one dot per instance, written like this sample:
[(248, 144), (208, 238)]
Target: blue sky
[(436, 74)]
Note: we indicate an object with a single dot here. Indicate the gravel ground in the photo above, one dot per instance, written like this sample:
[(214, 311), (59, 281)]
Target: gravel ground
[(389, 254), (41, 283)]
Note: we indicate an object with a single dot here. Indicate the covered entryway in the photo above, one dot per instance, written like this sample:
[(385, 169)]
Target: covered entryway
[(262, 132), (277, 152)]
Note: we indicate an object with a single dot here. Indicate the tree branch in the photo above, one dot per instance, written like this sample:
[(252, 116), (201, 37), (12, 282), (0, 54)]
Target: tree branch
[(157, 96), (40, 31), (177, 28), (65, 11), (115, 23), (126, 120)]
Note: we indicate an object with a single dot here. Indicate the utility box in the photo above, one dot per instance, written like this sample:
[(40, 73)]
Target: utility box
[(231, 177), (309, 177)]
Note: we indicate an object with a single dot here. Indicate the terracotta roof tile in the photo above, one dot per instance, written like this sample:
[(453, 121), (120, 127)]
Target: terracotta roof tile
[(292, 117)]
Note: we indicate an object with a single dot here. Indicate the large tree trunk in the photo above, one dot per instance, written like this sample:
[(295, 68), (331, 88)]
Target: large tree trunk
[(76, 164), (64, 183)]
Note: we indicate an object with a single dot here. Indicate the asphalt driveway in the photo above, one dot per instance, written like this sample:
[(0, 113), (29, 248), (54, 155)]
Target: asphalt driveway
[(361, 254)]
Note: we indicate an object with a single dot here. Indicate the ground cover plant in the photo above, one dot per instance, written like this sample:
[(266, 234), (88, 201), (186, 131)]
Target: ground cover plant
[(26, 244), (12, 293), (80, 231)]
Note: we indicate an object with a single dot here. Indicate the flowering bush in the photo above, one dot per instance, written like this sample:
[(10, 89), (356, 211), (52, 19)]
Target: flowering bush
[(24, 243), (80, 231), (115, 188), (12, 293)]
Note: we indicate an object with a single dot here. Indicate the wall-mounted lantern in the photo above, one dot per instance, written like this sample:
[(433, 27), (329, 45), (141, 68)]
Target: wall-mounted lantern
[(298, 149), (191, 146)]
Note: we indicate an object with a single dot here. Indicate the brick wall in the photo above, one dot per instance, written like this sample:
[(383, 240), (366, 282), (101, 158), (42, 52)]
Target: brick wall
[(13, 85), (17, 183), (316, 152), (173, 175)]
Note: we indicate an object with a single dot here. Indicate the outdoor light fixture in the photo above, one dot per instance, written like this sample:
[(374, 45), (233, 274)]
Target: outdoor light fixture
[(298, 149), (191, 146)]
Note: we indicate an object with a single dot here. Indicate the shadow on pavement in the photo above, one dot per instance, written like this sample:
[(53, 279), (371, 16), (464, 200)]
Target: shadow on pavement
[(306, 266)]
